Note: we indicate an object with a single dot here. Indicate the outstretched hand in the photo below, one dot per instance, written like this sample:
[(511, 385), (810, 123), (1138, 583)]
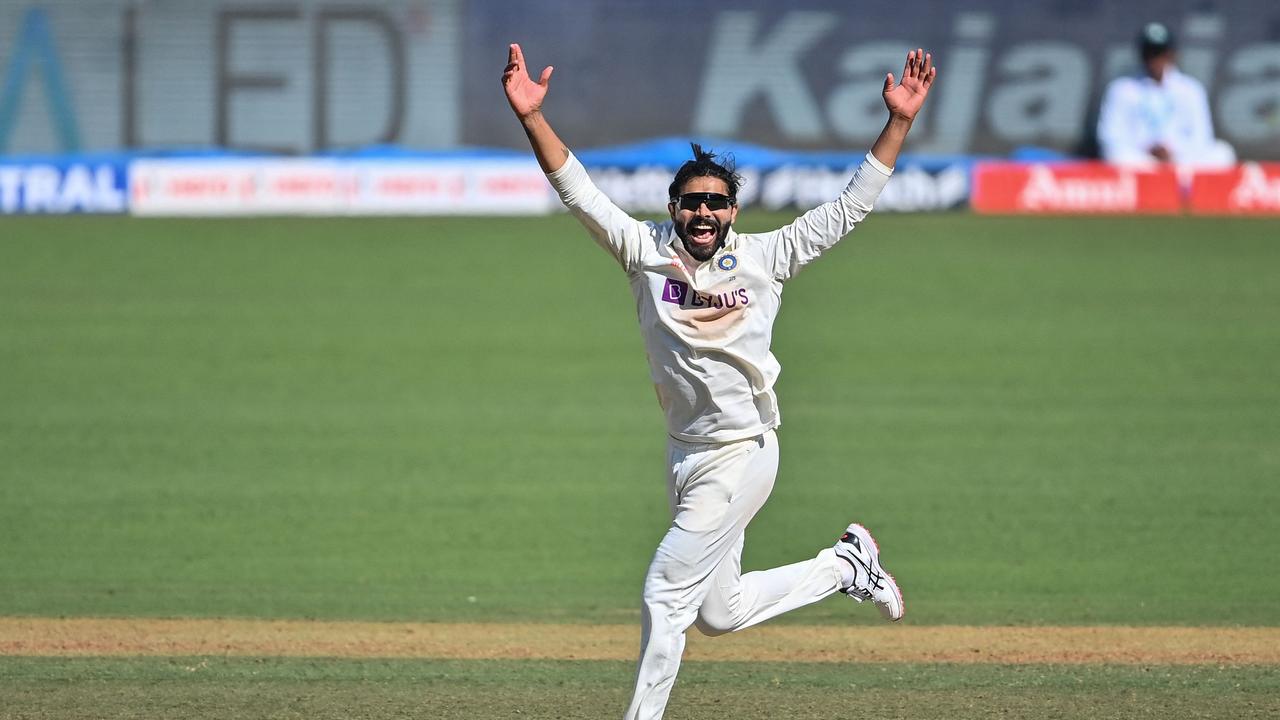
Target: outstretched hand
[(523, 93), (905, 99)]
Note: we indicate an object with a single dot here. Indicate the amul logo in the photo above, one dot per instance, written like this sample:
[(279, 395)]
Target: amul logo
[(1256, 190), (1047, 191)]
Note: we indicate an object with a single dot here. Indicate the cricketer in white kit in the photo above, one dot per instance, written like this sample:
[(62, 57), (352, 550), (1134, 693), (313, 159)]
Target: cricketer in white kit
[(707, 298)]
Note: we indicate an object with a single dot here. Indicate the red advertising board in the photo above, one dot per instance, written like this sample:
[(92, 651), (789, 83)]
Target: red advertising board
[(1073, 188), (1249, 189)]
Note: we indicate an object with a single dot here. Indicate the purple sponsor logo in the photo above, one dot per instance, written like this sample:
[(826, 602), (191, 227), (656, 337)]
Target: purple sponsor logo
[(675, 292)]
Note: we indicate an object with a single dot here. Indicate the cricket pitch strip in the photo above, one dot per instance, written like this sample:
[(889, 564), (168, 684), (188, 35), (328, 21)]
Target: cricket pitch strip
[(99, 637)]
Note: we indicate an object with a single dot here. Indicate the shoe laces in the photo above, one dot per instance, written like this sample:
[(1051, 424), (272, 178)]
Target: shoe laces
[(875, 581), (874, 578)]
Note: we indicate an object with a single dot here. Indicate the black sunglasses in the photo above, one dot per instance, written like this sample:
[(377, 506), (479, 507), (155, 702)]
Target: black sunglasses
[(713, 201)]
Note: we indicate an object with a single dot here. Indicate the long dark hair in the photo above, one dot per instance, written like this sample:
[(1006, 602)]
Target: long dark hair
[(704, 164)]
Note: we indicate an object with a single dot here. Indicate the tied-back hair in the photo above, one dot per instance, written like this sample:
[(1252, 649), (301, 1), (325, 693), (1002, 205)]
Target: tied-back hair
[(704, 164)]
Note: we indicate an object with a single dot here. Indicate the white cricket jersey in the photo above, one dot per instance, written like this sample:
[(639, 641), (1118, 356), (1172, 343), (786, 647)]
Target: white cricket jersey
[(1138, 113), (707, 326)]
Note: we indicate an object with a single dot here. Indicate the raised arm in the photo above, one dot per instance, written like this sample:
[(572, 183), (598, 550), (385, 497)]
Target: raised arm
[(790, 248), (526, 97), (619, 234), (904, 100)]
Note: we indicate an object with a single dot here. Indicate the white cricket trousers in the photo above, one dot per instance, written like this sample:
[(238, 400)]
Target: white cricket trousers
[(696, 574)]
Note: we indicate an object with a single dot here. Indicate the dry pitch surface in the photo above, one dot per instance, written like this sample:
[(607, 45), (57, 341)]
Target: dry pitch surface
[(74, 637)]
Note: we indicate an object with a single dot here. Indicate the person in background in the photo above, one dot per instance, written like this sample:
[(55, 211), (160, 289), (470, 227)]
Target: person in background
[(1162, 116)]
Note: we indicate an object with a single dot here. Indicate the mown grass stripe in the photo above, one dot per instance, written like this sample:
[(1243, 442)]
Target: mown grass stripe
[(248, 688)]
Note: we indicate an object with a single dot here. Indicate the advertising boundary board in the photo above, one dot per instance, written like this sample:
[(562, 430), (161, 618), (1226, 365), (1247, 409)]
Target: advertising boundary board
[(333, 186), (1074, 188), (63, 186), (484, 182), (1248, 189), (1091, 188)]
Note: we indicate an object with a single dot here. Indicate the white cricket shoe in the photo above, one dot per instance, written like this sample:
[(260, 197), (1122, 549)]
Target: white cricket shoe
[(870, 580)]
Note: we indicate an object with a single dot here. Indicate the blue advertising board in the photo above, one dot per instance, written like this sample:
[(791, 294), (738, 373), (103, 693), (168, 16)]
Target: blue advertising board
[(64, 184)]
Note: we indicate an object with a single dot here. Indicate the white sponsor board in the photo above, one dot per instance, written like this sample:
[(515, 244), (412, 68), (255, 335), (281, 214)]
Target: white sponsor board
[(911, 189), (338, 187)]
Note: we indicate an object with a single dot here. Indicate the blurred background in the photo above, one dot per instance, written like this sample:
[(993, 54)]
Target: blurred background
[(790, 89)]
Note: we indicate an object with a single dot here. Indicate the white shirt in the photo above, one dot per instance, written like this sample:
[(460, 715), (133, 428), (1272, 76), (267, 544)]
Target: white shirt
[(707, 328), (1138, 113)]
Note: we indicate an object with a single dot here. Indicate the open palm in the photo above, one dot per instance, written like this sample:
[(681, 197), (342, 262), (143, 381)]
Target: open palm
[(523, 93), (906, 98)]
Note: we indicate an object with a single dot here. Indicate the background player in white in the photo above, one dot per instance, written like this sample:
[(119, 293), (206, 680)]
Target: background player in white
[(1160, 116), (706, 299)]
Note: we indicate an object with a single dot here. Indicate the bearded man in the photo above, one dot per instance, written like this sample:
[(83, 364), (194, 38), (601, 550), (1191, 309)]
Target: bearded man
[(706, 299)]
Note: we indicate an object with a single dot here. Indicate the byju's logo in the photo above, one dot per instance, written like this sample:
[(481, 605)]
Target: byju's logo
[(675, 292)]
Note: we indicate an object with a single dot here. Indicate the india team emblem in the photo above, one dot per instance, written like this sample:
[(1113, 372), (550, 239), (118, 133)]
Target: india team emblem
[(727, 262)]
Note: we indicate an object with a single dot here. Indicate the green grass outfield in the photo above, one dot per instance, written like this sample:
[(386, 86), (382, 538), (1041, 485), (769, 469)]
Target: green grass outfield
[(1045, 421), (231, 689)]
